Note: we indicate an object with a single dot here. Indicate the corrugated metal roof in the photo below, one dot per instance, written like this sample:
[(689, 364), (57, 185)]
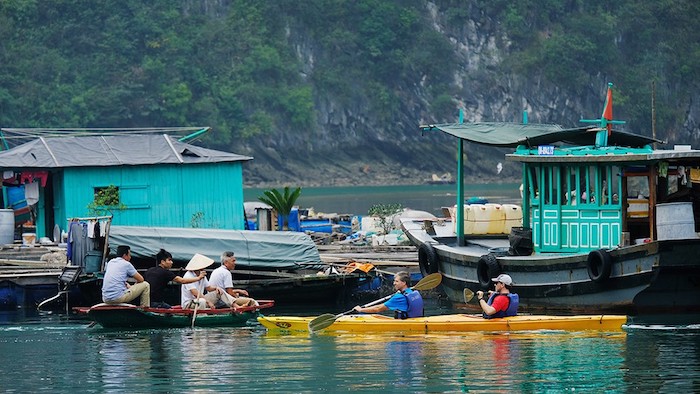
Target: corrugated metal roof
[(110, 150)]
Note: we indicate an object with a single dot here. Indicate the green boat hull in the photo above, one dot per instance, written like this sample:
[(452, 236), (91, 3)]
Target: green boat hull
[(133, 317)]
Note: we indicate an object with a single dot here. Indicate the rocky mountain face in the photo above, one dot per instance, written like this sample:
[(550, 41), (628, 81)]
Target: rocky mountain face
[(351, 147)]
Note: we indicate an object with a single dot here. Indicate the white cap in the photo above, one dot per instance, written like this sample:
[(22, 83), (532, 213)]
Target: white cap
[(503, 278)]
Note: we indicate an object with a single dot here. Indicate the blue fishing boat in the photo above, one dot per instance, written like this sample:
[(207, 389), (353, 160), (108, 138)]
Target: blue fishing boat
[(607, 222)]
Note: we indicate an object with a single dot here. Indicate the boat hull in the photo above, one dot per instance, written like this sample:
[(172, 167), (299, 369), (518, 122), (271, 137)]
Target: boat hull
[(450, 323), (133, 317), (546, 283)]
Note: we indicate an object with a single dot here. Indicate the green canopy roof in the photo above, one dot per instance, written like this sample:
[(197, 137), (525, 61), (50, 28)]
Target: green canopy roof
[(503, 134)]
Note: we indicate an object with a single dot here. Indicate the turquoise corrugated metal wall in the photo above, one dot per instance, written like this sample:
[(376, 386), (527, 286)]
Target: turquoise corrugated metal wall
[(201, 195)]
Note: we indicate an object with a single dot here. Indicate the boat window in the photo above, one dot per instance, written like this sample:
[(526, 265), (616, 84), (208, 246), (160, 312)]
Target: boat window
[(551, 184), (610, 185), (534, 179), (638, 187), (569, 185), (588, 196)]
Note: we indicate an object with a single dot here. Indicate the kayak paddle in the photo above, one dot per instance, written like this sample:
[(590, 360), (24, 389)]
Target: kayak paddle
[(468, 295), (319, 323)]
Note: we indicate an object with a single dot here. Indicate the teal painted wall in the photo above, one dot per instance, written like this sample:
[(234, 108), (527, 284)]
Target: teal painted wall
[(193, 195)]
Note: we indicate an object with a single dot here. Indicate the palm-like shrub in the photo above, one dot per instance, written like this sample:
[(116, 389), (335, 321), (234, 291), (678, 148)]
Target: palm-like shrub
[(282, 203)]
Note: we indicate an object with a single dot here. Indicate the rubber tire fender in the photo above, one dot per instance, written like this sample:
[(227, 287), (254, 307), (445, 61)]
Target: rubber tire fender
[(427, 259), (487, 268), (599, 265)]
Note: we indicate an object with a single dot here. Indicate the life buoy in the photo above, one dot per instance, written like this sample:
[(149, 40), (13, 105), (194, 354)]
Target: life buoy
[(487, 268), (599, 265), (427, 259)]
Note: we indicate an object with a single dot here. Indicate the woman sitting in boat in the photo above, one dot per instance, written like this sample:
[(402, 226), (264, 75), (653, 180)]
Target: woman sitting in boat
[(502, 302), (405, 303)]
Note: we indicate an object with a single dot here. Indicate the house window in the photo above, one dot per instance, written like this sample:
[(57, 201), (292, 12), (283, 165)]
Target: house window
[(106, 196)]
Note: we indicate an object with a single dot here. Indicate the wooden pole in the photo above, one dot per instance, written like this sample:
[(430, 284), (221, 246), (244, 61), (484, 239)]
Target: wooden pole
[(653, 112)]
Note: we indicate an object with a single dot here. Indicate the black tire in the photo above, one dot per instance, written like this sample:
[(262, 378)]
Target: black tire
[(427, 259), (599, 265), (487, 268)]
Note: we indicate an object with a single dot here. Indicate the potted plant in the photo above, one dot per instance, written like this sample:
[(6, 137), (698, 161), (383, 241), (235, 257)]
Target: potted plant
[(281, 202)]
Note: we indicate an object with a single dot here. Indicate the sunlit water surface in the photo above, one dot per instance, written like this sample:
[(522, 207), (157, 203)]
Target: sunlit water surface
[(52, 352)]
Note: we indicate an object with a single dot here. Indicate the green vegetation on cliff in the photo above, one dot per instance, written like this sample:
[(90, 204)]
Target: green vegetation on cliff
[(260, 71)]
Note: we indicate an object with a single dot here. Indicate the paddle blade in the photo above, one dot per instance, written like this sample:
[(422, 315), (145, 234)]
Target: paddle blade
[(429, 282), (468, 295), (319, 323)]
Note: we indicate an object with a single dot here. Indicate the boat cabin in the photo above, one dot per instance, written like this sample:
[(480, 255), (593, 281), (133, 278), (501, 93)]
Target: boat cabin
[(591, 187), (581, 199)]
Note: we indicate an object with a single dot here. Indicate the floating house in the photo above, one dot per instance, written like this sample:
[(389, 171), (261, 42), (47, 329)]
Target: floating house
[(155, 179)]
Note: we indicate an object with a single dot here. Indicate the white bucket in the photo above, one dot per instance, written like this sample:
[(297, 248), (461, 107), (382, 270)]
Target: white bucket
[(28, 238), (7, 226), (675, 221)]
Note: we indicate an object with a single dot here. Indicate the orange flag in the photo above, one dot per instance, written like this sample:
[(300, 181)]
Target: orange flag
[(607, 112)]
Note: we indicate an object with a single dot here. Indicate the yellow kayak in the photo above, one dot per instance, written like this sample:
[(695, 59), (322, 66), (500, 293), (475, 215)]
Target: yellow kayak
[(450, 323)]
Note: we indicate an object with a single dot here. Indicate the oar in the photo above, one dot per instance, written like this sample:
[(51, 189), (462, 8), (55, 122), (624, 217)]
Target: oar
[(319, 323), (196, 307), (468, 295)]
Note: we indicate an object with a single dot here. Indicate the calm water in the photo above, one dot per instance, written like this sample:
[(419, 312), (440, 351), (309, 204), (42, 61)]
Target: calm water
[(358, 199), (53, 353)]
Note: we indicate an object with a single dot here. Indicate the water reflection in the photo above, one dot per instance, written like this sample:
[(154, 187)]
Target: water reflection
[(66, 358)]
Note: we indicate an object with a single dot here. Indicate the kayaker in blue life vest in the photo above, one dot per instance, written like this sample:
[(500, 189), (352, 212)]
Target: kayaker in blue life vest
[(405, 303), (502, 302)]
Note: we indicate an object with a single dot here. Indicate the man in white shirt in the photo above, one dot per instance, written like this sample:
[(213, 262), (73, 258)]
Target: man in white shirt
[(221, 278)]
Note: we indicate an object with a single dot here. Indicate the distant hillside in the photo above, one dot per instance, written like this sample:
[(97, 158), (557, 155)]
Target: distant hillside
[(322, 92)]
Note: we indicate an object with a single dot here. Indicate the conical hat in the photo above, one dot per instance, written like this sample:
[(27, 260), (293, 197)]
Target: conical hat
[(198, 262)]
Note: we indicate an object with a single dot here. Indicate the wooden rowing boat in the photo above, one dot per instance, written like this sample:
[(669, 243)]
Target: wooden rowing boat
[(131, 316), (451, 323)]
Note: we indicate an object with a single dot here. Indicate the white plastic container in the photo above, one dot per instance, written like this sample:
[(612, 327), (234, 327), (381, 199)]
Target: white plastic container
[(514, 217), (482, 219), (497, 218), (675, 221), (7, 226), (371, 224)]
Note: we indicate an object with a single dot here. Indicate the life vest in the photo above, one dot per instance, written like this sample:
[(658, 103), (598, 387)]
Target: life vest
[(512, 310), (415, 305)]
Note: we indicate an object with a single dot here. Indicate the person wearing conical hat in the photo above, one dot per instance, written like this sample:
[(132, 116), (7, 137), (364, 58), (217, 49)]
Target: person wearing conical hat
[(192, 294)]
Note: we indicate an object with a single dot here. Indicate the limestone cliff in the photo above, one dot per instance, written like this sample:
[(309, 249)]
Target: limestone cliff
[(351, 144)]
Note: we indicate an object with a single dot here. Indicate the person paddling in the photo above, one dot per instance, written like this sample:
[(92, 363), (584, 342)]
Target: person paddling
[(192, 294), (502, 302), (405, 303), (160, 275)]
